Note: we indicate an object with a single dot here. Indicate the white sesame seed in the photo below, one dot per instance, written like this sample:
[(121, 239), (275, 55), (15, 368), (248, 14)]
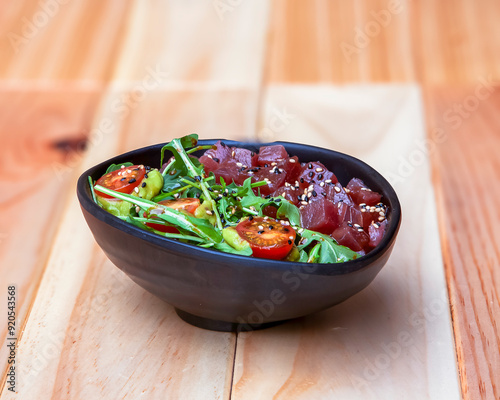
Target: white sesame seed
[(292, 160), (232, 154), (292, 187), (347, 190), (261, 228), (250, 172), (309, 194), (381, 218), (303, 202), (290, 237), (283, 194), (381, 213), (238, 164), (122, 167), (136, 189), (129, 171), (177, 195), (301, 230), (319, 169), (244, 166), (337, 189), (377, 209), (137, 209), (209, 212), (322, 184), (328, 181), (209, 156), (273, 164), (356, 225), (366, 189)]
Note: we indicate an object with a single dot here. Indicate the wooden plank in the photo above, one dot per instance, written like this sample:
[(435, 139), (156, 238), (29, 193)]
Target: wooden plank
[(394, 339), (61, 40), (375, 40), (41, 146), (215, 42), (466, 177)]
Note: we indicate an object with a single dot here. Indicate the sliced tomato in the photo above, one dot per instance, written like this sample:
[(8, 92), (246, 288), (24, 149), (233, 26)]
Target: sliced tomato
[(268, 238), (187, 204), (123, 180)]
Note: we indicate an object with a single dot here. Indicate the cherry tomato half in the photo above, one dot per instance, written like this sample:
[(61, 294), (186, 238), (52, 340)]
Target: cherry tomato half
[(268, 238), (123, 180), (187, 204)]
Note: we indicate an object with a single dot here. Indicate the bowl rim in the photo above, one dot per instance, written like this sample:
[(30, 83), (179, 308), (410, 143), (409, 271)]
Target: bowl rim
[(190, 250)]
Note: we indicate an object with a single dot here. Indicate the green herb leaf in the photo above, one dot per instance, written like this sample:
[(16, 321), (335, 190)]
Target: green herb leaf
[(228, 249), (329, 251), (114, 167)]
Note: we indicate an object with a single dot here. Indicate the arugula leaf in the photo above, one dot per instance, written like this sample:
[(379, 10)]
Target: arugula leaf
[(329, 251), (91, 184), (289, 211), (198, 226), (183, 162), (114, 167), (228, 249)]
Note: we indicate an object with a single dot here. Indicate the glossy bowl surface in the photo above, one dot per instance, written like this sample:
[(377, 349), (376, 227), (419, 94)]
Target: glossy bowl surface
[(226, 292)]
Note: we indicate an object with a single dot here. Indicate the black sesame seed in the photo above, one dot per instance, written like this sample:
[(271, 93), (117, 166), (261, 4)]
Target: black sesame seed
[(123, 179), (268, 196), (146, 176), (271, 227), (210, 189), (197, 195), (223, 144), (260, 232), (286, 229), (252, 153), (132, 180), (289, 241), (320, 176), (265, 165), (250, 218), (143, 184), (277, 200), (310, 166), (301, 180), (198, 178), (224, 194), (215, 159), (311, 174), (299, 198), (323, 194), (314, 193)]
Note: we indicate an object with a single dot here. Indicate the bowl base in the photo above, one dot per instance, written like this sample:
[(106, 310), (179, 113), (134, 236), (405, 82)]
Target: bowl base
[(222, 326)]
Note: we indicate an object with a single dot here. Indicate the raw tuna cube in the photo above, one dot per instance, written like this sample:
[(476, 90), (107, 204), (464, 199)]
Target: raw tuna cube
[(349, 236), (270, 154), (360, 193), (320, 216)]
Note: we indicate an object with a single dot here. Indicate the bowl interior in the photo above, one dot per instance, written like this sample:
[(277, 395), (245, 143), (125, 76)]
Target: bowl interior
[(344, 166)]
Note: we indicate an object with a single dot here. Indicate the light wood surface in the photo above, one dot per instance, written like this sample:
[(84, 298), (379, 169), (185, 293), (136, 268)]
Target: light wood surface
[(224, 68)]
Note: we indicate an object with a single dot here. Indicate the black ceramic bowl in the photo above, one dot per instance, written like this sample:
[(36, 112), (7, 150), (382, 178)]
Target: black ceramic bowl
[(225, 292)]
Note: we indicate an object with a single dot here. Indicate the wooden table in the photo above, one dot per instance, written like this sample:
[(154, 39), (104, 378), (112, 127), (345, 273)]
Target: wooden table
[(409, 86)]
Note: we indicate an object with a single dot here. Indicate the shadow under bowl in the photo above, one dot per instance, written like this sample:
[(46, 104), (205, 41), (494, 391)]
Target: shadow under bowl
[(227, 292)]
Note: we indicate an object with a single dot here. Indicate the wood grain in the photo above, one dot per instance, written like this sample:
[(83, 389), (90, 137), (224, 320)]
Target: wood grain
[(40, 149), (379, 41), (61, 40), (394, 339), (466, 174)]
